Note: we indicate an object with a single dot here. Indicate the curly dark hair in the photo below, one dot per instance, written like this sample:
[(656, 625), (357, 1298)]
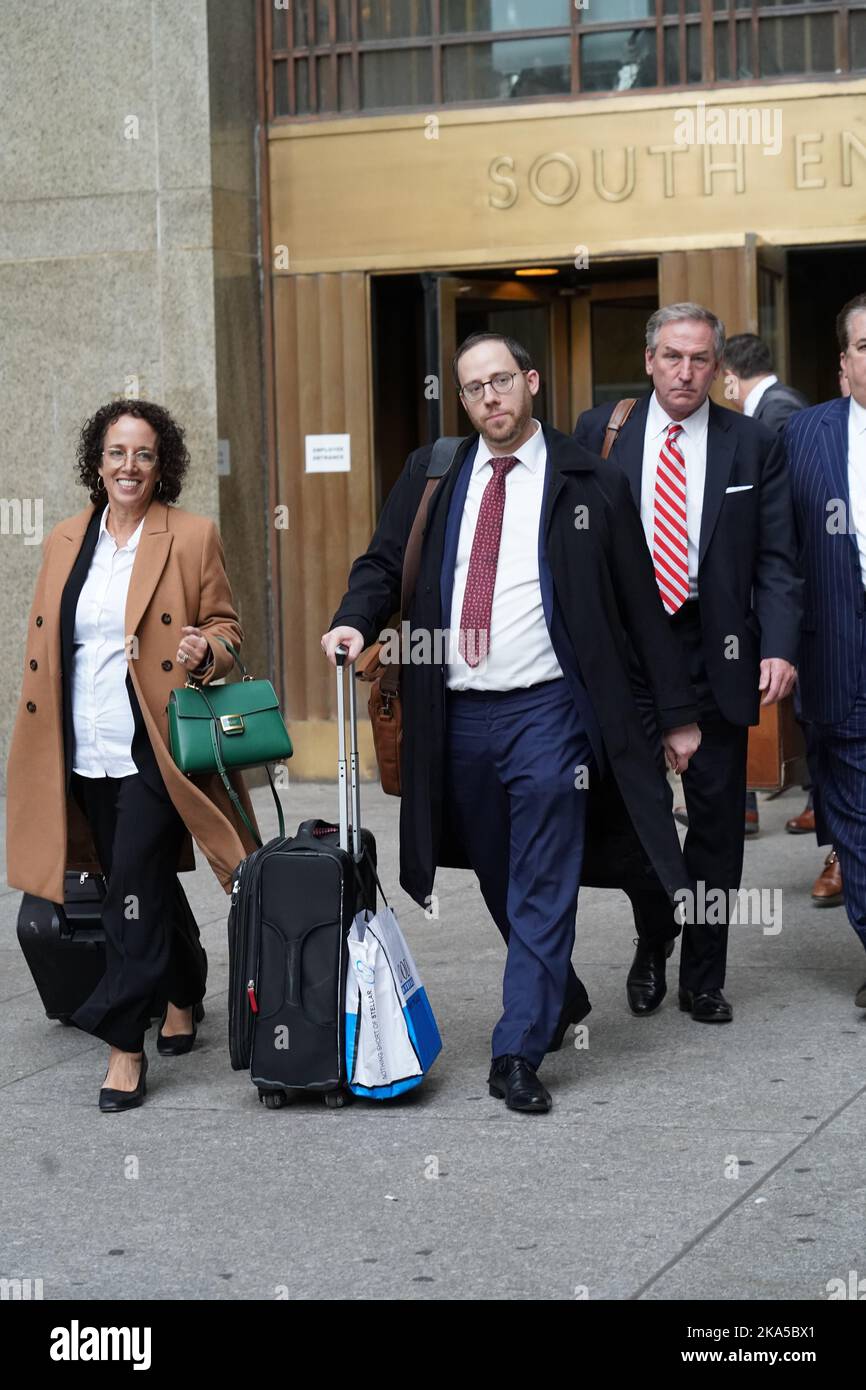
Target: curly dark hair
[(173, 456)]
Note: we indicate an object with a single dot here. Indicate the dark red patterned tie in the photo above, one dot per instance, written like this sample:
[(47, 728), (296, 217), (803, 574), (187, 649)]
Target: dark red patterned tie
[(474, 638)]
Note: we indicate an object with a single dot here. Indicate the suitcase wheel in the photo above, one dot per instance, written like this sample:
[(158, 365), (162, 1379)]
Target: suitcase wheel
[(274, 1100), (335, 1100)]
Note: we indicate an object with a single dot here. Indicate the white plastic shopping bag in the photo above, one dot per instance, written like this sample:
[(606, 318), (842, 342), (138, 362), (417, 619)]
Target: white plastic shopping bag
[(391, 1035)]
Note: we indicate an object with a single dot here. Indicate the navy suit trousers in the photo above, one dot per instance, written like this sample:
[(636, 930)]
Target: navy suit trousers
[(839, 762), (517, 770)]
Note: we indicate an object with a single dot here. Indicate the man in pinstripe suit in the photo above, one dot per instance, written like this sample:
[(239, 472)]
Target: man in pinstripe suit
[(827, 464)]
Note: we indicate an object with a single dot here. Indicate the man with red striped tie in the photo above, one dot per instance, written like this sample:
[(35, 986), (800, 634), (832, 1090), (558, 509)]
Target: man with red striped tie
[(716, 509)]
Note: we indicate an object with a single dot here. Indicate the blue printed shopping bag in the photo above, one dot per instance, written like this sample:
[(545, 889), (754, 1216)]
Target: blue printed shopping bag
[(391, 1035)]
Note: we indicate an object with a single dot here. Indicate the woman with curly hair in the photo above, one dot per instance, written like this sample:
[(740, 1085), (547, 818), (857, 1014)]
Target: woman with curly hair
[(131, 597)]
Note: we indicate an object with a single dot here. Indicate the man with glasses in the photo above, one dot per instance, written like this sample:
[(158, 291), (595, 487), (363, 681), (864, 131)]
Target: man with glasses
[(533, 560)]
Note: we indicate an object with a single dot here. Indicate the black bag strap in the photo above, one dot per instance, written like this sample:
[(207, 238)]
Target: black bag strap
[(444, 454)]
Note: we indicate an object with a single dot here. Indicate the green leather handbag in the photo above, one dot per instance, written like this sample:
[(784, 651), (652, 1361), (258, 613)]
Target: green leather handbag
[(222, 728)]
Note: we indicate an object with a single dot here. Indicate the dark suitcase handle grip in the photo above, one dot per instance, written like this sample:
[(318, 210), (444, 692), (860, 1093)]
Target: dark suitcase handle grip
[(293, 973)]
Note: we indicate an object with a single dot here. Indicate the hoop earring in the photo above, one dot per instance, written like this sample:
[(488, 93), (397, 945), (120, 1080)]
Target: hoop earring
[(159, 487), (99, 481)]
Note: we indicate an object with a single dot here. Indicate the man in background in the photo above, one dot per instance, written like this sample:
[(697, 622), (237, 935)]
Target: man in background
[(752, 387)]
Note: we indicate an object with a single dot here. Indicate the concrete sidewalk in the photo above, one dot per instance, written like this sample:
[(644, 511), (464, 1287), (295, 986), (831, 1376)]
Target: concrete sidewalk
[(679, 1161)]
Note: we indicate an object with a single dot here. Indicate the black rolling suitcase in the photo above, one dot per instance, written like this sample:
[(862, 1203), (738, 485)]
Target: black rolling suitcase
[(64, 945), (293, 904)]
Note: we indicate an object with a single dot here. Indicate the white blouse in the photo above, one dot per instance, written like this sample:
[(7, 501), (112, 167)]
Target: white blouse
[(101, 713)]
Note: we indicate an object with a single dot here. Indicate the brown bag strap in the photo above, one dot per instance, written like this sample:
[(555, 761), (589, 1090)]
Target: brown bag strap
[(412, 553), (621, 412), (389, 683), (444, 453)]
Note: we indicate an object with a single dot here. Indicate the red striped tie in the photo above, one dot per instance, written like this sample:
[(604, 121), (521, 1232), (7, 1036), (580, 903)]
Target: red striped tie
[(670, 534)]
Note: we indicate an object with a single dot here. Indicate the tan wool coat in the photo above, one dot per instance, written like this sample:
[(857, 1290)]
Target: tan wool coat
[(178, 578)]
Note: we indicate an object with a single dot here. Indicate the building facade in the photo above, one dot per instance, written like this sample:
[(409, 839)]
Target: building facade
[(549, 169), (130, 266)]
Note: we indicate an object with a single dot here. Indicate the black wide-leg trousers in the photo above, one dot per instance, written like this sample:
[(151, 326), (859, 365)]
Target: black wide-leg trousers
[(152, 949)]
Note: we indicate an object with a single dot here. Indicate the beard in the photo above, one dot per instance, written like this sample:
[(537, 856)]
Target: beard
[(509, 426)]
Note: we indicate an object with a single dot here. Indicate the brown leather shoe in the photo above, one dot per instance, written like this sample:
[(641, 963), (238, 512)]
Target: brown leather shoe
[(827, 888), (804, 824)]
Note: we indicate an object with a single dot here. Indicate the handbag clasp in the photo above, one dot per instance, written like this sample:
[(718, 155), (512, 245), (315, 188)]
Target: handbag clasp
[(232, 723)]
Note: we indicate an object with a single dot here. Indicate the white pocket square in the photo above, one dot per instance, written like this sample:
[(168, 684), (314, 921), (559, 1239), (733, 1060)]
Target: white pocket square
[(740, 487)]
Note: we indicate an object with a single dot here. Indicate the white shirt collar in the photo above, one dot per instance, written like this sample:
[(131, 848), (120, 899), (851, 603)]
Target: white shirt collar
[(857, 418), (694, 425), (756, 395), (532, 453), (131, 544)]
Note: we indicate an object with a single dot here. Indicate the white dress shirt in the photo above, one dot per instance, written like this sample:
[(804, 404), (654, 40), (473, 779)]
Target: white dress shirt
[(692, 443), (756, 395), (101, 713), (857, 477), (520, 651)]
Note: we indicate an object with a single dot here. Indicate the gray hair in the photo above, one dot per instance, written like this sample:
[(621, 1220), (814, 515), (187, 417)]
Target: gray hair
[(680, 313)]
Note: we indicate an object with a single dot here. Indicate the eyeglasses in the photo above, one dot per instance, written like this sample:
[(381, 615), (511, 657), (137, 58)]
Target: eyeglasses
[(145, 458), (502, 383)]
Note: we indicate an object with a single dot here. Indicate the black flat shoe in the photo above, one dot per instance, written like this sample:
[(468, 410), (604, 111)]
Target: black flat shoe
[(645, 984), (575, 1011), (513, 1080), (110, 1100), (711, 1007), (179, 1043)]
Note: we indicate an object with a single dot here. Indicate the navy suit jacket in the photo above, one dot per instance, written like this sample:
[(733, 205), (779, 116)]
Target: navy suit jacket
[(834, 617), (563, 649)]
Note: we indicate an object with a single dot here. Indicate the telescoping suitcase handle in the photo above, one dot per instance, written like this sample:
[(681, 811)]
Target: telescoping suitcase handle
[(357, 853)]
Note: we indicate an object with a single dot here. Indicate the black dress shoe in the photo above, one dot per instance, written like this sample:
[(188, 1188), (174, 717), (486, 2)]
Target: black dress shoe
[(711, 1007), (110, 1100), (575, 1011), (645, 984), (178, 1043), (513, 1080)]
